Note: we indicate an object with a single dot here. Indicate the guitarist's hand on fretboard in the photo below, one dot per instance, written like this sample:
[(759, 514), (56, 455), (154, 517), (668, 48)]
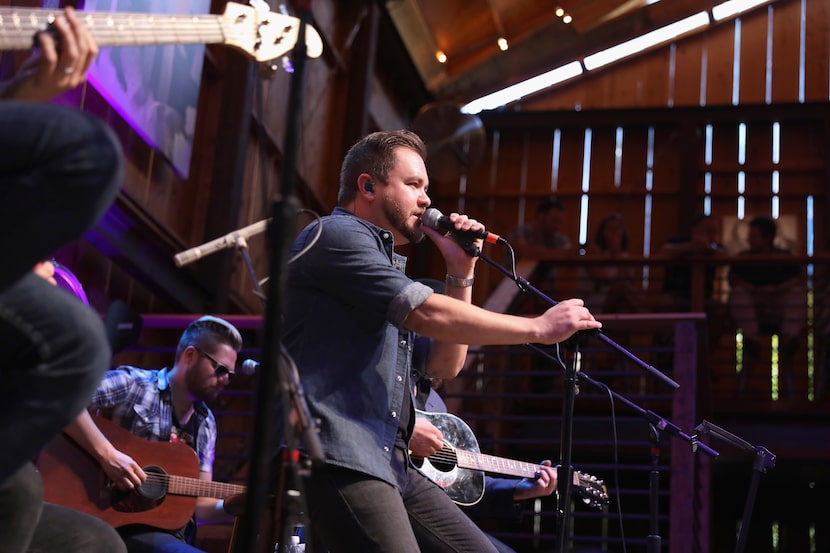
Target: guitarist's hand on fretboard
[(544, 484)]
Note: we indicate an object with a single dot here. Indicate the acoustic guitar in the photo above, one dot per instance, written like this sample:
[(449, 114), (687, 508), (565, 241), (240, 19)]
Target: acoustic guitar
[(166, 500), (263, 35), (459, 467)]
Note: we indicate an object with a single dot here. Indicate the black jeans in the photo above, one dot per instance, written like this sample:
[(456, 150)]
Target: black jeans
[(27, 525), (53, 353), (60, 170), (354, 513)]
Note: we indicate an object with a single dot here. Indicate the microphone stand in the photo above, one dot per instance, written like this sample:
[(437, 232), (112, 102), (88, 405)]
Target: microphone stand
[(283, 221), (764, 462), (564, 484)]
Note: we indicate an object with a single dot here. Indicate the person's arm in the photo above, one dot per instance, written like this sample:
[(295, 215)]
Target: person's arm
[(124, 472), (503, 496), (51, 71), (210, 509), (449, 320)]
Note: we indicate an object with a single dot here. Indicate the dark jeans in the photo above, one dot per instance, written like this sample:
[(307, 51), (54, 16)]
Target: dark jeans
[(157, 542), (353, 513), (31, 526), (60, 170), (53, 353)]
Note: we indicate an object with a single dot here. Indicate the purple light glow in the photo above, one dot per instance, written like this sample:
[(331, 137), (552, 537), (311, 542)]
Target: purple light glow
[(154, 88)]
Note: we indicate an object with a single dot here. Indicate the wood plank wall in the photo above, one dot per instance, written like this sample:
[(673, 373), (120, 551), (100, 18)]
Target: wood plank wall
[(657, 138)]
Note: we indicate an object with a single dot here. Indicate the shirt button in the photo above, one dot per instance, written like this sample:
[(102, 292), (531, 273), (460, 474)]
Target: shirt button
[(398, 378), (394, 414), (403, 342), (386, 449)]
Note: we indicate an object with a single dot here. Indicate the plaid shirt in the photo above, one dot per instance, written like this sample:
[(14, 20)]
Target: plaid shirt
[(140, 401)]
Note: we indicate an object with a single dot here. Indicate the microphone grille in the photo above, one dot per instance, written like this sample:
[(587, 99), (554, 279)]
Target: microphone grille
[(248, 367), (431, 217)]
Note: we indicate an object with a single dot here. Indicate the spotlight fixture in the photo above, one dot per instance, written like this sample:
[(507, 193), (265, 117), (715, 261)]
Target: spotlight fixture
[(559, 12), (503, 44), (441, 56), (567, 18)]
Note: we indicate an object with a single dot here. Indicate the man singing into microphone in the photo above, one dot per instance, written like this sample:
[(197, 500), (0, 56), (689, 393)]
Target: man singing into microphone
[(349, 321)]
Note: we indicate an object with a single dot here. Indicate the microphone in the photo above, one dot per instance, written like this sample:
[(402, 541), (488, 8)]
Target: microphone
[(436, 220), (248, 367), (229, 240)]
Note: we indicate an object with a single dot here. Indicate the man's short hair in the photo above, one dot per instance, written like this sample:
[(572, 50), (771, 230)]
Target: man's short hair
[(207, 333)]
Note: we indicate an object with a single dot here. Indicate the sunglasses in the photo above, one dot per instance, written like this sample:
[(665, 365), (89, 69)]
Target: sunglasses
[(219, 369)]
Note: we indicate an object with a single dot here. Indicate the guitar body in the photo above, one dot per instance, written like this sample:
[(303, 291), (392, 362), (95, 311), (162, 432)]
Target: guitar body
[(464, 486), (71, 477)]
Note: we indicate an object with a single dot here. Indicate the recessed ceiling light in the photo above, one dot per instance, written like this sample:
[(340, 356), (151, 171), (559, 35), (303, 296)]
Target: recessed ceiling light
[(441, 56), (502, 43)]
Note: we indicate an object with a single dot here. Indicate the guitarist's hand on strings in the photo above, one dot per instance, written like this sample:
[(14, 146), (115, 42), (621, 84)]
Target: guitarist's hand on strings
[(544, 484), (122, 470), (426, 439)]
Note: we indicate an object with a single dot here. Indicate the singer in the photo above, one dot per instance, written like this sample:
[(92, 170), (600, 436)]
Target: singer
[(351, 315)]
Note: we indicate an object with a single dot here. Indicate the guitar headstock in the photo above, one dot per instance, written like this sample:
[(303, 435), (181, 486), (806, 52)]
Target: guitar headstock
[(266, 35), (591, 489)]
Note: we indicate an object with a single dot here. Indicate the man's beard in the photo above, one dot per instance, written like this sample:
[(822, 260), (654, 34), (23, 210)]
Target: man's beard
[(401, 221)]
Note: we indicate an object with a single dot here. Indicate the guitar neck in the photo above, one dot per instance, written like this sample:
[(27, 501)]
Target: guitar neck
[(194, 487), (18, 27), (499, 465)]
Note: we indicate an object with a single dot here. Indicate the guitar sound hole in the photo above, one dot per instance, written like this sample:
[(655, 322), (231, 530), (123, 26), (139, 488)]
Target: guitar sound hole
[(154, 487), (442, 465)]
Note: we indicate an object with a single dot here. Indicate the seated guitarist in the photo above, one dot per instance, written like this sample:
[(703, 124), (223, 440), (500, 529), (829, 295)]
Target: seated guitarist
[(165, 405), (502, 496)]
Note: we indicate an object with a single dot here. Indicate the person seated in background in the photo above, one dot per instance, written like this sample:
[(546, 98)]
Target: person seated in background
[(543, 239), (165, 405), (701, 242), (59, 172), (770, 293), (545, 242), (614, 288)]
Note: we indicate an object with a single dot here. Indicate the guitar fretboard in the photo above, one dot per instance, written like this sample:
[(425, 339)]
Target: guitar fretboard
[(193, 487), (18, 27), (490, 463)]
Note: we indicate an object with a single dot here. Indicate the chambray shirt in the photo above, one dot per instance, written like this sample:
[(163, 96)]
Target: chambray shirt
[(346, 301), (140, 401)]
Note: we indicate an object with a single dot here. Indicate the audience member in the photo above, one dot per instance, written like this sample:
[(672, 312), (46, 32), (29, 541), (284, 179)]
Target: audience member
[(773, 293), (543, 239), (615, 288), (350, 319), (702, 241), (165, 405), (700, 245)]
